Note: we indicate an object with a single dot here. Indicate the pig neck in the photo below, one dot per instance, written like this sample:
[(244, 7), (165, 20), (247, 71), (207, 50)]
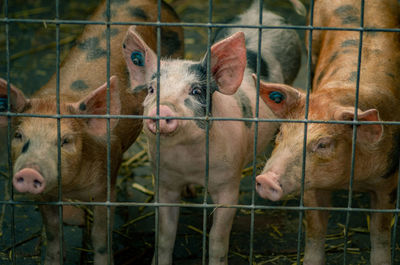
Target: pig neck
[(92, 175)]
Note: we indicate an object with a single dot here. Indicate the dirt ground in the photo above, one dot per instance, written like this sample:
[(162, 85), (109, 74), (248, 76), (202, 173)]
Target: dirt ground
[(276, 232)]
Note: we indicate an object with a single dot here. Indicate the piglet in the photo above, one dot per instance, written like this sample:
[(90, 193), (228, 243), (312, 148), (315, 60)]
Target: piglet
[(183, 93), (83, 141), (329, 147)]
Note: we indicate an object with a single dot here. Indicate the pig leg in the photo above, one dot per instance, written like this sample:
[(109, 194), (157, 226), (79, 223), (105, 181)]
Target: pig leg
[(51, 222), (99, 234), (317, 222), (226, 194), (380, 228), (168, 223)]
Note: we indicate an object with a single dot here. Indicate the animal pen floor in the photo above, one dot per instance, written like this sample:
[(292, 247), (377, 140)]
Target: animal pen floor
[(32, 57)]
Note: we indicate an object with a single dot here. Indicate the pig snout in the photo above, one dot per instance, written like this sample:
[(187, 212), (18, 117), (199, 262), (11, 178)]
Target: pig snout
[(269, 187), (29, 180), (167, 126)]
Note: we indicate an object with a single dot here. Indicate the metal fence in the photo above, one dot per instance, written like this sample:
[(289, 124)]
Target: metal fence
[(203, 204)]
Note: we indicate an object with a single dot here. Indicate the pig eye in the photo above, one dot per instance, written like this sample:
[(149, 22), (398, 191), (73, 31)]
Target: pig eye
[(17, 135), (151, 89), (65, 141), (195, 91), (323, 144)]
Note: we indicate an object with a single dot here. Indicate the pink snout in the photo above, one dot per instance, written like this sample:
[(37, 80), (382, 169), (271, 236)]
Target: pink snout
[(29, 180), (268, 186), (167, 126)]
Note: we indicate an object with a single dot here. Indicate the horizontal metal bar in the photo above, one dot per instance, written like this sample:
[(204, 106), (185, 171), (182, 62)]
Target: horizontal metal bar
[(200, 205), (110, 116), (189, 24)]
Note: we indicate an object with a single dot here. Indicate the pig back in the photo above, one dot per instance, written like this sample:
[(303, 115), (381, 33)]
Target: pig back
[(85, 67)]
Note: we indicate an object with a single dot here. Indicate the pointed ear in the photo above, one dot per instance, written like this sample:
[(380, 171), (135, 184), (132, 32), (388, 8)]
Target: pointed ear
[(228, 61), (279, 98), (96, 104), (140, 59), (17, 100), (366, 133)]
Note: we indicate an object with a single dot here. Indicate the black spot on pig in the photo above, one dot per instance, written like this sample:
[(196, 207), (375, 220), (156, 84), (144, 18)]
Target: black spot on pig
[(353, 76), (26, 146), (348, 14), (350, 43), (92, 46), (198, 111), (170, 42), (252, 64), (113, 32), (82, 106), (113, 13), (390, 75), (245, 106), (138, 12), (79, 85)]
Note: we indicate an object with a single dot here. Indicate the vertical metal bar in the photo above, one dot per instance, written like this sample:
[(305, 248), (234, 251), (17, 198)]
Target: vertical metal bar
[(254, 164), (353, 152), (59, 177), (109, 228), (303, 168), (396, 218), (207, 136), (9, 130), (157, 176)]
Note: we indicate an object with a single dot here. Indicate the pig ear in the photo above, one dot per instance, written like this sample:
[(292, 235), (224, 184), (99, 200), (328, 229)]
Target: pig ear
[(18, 101), (96, 104), (279, 98), (366, 133), (139, 58), (228, 61)]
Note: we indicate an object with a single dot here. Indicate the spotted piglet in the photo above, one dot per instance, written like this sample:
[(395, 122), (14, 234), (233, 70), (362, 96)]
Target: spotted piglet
[(183, 93)]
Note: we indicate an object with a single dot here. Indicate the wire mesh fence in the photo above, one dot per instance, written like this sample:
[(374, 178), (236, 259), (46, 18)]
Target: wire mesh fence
[(35, 40)]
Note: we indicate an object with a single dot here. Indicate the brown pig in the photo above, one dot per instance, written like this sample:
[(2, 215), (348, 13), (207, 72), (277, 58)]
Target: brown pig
[(328, 147), (83, 142)]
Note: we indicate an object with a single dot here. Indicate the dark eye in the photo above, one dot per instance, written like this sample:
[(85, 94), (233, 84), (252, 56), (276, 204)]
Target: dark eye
[(65, 141), (17, 135), (151, 89), (323, 145), (195, 91)]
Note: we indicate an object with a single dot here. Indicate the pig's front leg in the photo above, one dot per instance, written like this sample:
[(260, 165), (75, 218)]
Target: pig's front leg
[(168, 223), (51, 223), (226, 194), (99, 234), (317, 222), (380, 228)]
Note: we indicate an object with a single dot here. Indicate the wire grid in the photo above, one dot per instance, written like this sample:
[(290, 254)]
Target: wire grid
[(208, 118)]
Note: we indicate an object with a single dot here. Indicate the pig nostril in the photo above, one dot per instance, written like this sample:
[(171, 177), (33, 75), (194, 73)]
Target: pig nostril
[(258, 184), (168, 121), (20, 179), (37, 183)]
